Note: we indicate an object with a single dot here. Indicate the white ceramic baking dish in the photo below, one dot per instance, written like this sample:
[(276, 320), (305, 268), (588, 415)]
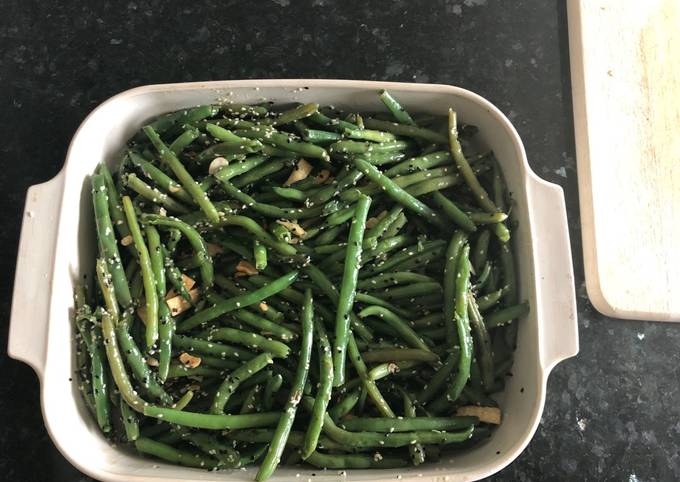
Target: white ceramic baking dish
[(57, 245)]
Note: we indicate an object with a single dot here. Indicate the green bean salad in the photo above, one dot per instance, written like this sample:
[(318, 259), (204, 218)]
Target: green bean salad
[(285, 285)]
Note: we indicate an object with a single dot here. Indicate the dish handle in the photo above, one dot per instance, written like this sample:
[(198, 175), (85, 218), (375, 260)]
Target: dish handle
[(33, 277), (554, 271)]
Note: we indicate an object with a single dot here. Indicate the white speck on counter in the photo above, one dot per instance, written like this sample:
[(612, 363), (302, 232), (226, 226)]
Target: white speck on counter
[(30, 214), (582, 423), (633, 478), (457, 10), (561, 171), (641, 336)]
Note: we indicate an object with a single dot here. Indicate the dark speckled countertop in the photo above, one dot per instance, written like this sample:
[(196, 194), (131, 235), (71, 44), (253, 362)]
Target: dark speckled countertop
[(612, 413)]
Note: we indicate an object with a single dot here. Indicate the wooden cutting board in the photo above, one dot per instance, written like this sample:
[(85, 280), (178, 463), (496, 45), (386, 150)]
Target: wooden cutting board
[(625, 68)]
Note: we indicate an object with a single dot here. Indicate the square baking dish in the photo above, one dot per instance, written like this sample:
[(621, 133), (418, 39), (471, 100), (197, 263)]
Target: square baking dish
[(58, 245)]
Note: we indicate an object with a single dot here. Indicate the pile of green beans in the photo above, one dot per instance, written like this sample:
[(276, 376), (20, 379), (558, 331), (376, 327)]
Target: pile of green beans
[(298, 285)]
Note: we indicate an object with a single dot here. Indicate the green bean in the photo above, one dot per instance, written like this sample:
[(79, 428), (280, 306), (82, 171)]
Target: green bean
[(99, 375), (481, 250), (264, 326), (248, 339), (406, 130), (409, 256), (462, 325), (399, 113), (384, 246), (226, 136), (235, 169), (136, 361), (407, 424), (345, 406), (184, 116), (354, 461), (388, 368), (410, 291), (116, 213), (356, 147), (242, 301), (171, 454), (180, 371), (399, 326), (487, 218), (150, 293), (386, 280), (215, 362), (290, 193), (252, 456), (333, 124), (116, 365), (437, 381), (502, 232), (273, 385), (184, 139), (398, 194), (375, 301), (348, 289), (416, 451), (453, 212), (341, 216), (433, 319), (258, 233), (107, 241), (316, 136), (165, 322), (506, 315), (369, 135), (347, 177), (482, 342), (395, 227), (381, 226), (280, 437), (369, 385), (351, 195), (280, 232), (397, 439), (294, 114), (421, 163), (129, 419), (242, 110), (323, 393), (174, 275), (480, 194), (432, 185), (450, 272), (212, 421), (270, 136), (234, 379), (268, 209), (399, 354), (270, 312), (187, 181), (230, 151), (508, 273), (487, 301), (161, 179), (210, 348), (208, 444), (197, 243)]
